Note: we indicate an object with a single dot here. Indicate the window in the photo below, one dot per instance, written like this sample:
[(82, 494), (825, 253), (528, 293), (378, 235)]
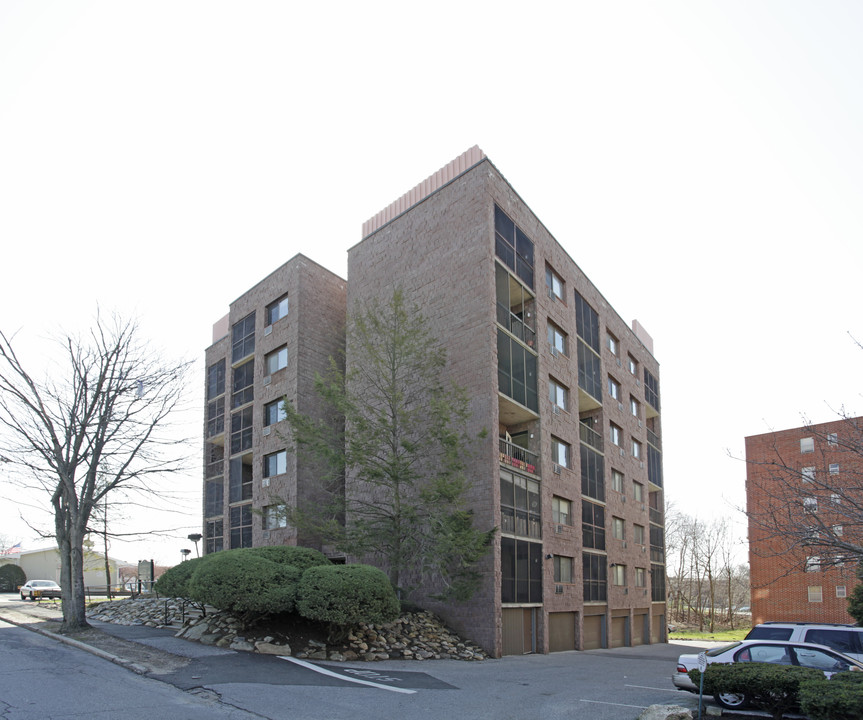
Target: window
[(274, 412), (562, 569), (241, 430), (516, 371), (834, 468), (214, 460), (810, 504), (613, 388), (636, 448), (558, 394), (618, 574), (813, 564), (513, 247), (275, 463), (276, 360), (243, 338), (241, 526), (275, 516), (560, 452), (277, 310), (615, 434), (557, 339), (521, 571), (595, 577), (838, 530), (832, 439), (618, 528), (214, 497), (638, 491), (592, 473), (840, 591), (808, 474), (617, 481), (638, 534), (651, 389), (519, 506), (239, 481), (613, 344), (243, 389), (214, 531), (561, 511), (216, 380), (587, 323), (215, 417), (807, 445), (634, 407), (835, 499), (554, 283), (814, 592), (592, 525), (633, 365), (640, 577)]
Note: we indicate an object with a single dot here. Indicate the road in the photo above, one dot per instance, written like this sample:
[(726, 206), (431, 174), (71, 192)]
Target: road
[(41, 677)]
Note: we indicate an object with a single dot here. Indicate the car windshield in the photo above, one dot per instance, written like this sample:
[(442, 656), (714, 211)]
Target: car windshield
[(718, 651)]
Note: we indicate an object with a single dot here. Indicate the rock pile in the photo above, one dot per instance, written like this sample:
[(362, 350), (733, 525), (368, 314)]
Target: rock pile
[(414, 636)]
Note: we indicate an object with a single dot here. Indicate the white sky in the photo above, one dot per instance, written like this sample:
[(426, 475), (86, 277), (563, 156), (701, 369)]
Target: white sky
[(701, 161)]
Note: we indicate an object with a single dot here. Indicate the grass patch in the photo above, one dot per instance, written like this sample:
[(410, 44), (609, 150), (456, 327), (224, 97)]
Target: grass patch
[(717, 636)]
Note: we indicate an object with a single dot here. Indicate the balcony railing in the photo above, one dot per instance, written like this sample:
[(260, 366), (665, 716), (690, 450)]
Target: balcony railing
[(516, 326), (518, 457), (589, 436), (656, 517), (653, 439)]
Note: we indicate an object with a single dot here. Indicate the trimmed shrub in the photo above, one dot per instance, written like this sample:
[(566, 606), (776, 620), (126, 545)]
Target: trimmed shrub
[(174, 582), (839, 698), (11, 577), (299, 557), (346, 595), (771, 687), (246, 585)]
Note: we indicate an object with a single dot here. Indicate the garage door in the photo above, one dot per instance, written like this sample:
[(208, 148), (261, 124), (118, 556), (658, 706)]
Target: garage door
[(561, 631), (618, 631), (592, 632), (518, 631), (639, 623), (656, 628)]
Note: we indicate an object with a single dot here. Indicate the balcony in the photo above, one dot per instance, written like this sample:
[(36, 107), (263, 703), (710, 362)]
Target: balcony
[(518, 457), (590, 437), (656, 517), (516, 326), (653, 439)]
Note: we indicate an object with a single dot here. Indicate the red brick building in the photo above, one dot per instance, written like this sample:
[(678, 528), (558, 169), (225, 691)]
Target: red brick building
[(803, 502)]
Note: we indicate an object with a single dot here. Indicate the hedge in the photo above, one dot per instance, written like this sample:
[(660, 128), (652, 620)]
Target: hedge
[(11, 577), (174, 582), (839, 698), (346, 595), (298, 557)]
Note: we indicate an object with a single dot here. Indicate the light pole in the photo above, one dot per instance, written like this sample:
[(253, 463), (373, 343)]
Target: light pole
[(196, 538), (185, 552)]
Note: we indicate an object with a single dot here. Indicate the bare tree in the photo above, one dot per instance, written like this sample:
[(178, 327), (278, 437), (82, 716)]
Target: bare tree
[(97, 428)]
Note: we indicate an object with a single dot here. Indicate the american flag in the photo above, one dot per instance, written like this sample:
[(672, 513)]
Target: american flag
[(14, 550)]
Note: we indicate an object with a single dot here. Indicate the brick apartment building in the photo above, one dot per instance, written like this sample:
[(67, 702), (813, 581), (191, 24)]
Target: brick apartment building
[(568, 392), (802, 496)]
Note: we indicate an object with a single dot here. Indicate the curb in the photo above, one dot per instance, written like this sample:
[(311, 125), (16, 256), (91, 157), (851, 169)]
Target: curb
[(116, 659)]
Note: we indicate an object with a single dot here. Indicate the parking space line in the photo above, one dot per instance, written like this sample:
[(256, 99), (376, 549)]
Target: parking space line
[(358, 681), (600, 702), (648, 687)]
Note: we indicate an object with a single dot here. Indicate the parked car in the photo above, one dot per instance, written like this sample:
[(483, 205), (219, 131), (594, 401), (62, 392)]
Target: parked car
[(846, 639), (40, 588), (810, 655)]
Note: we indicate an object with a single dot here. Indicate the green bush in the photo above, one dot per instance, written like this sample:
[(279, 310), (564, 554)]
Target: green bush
[(174, 582), (771, 687), (299, 557), (346, 595), (246, 585), (11, 577), (840, 698)]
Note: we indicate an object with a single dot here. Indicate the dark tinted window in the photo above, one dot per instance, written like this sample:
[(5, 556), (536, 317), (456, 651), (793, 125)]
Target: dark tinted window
[(766, 632), (845, 641)]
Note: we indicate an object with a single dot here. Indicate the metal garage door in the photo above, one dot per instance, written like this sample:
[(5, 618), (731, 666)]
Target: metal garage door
[(618, 631), (561, 631), (592, 632), (657, 627), (518, 635), (639, 625)]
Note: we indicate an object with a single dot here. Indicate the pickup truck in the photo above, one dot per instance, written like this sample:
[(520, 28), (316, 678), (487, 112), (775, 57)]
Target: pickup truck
[(34, 589)]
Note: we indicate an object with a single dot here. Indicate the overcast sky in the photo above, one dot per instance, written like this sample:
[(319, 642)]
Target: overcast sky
[(700, 161)]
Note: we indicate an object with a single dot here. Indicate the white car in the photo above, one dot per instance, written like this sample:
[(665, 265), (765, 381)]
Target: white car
[(810, 655), (846, 639), (40, 588)]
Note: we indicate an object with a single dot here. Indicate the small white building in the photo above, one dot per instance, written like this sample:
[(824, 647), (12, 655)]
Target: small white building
[(44, 564)]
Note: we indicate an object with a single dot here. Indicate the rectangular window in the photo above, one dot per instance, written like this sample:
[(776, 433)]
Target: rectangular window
[(276, 360), (810, 504), (274, 412), (617, 481), (813, 564), (838, 530), (519, 506), (595, 577), (239, 481), (634, 407), (587, 323), (516, 371), (554, 284), (562, 569), (613, 388), (808, 474), (558, 394), (592, 525), (214, 497), (216, 380), (243, 338), (241, 430), (638, 534), (241, 526), (618, 574), (275, 463), (633, 365), (834, 468), (277, 310), (637, 491), (513, 247), (833, 441), (521, 571), (561, 511), (807, 445), (560, 452), (657, 583), (840, 591), (215, 417), (592, 473), (613, 344), (557, 339), (243, 388), (214, 531), (516, 306), (651, 390), (618, 528), (814, 593), (615, 434), (640, 577), (214, 460), (636, 448), (274, 517)]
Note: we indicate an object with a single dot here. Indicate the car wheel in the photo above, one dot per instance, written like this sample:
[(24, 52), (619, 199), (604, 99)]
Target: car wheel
[(731, 701), (22, 596)]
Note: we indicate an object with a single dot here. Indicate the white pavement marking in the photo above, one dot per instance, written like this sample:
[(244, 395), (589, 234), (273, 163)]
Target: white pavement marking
[(648, 687), (600, 702), (324, 671)]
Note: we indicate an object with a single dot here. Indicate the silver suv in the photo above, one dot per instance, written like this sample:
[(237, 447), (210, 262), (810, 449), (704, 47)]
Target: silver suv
[(847, 639)]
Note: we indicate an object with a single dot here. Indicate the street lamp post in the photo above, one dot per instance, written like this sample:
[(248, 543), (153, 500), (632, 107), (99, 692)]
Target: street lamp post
[(195, 538), (185, 552)]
